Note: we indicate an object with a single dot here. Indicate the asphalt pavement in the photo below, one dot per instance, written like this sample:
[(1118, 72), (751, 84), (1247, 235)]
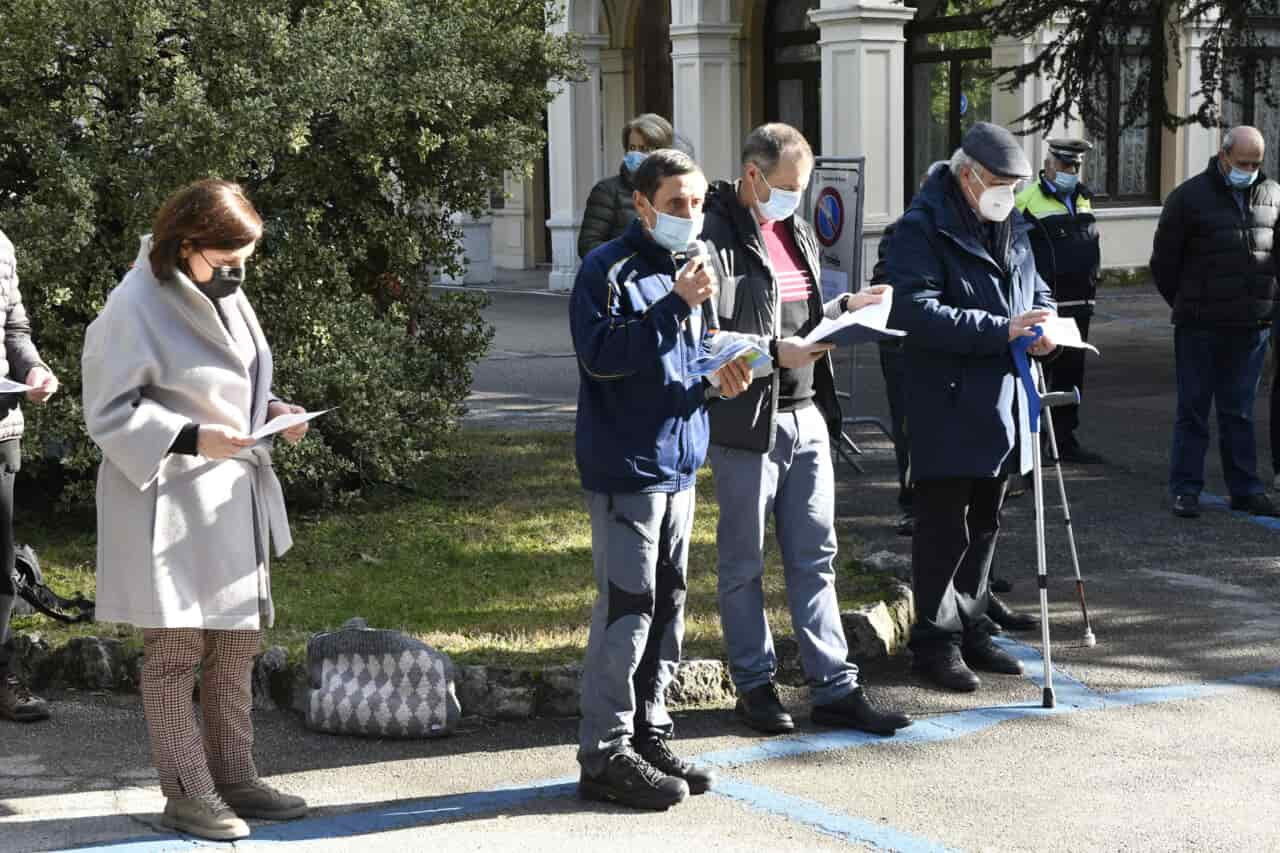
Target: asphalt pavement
[(1164, 737)]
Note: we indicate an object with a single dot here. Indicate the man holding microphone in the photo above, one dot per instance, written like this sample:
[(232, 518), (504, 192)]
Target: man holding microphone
[(638, 328)]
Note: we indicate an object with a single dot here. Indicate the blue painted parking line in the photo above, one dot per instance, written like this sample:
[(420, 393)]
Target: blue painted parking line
[(816, 816), (1073, 697)]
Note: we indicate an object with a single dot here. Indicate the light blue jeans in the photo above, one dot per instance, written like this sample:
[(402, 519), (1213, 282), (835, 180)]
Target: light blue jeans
[(796, 484)]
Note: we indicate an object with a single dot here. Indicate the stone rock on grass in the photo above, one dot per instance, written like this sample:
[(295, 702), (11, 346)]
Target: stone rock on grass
[(880, 629), (267, 669), (560, 692), (700, 682), (91, 662), (898, 565), (497, 693)]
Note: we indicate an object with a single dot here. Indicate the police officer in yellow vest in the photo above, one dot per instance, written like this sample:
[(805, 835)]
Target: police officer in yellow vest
[(1064, 237)]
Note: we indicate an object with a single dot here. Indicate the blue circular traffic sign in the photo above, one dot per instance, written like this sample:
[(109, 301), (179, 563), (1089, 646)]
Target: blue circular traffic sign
[(828, 216)]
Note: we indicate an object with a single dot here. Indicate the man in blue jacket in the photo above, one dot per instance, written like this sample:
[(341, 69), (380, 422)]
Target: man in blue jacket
[(966, 289), (638, 326)]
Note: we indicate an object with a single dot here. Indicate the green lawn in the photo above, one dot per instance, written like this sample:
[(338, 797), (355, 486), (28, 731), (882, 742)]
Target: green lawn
[(490, 560)]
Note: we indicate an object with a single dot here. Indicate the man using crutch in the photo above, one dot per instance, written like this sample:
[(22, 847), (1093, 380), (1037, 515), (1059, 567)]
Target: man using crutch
[(967, 287)]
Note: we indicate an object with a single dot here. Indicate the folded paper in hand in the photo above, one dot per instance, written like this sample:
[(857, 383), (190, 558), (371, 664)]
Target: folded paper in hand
[(8, 386), (728, 346), (1064, 332), (864, 326), (284, 422)]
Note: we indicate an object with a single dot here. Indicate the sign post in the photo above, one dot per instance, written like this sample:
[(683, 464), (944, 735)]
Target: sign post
[(834, 202)]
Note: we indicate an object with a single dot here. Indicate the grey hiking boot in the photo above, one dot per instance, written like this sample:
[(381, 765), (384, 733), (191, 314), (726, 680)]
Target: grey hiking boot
[(259, 800), (204, 816), (17, 703)]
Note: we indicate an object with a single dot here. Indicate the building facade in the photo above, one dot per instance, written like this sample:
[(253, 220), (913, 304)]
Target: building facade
[(898, 84)]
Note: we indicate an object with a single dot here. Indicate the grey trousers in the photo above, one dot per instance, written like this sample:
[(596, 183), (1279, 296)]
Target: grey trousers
[(796, 484), (640, 547)]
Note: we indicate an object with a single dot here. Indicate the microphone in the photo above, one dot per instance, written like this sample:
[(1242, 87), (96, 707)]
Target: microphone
[(699, 251)]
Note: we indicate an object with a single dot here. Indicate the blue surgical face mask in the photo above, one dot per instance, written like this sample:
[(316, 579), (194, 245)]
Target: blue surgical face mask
[(1066, 182), (675, 233), (1240, 179), (781, 203), (632, 161)]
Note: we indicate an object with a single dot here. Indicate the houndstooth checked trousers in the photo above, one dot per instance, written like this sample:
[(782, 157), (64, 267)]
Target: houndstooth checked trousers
[(188, 762)]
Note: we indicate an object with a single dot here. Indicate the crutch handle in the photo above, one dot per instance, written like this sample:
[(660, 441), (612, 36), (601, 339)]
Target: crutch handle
[(1060, 398)]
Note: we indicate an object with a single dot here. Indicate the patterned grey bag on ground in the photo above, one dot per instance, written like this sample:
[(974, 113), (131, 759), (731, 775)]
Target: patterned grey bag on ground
[(379, 684)]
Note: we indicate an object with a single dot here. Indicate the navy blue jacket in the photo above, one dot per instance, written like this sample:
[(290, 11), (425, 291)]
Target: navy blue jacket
[(642, 422), (955, 301)]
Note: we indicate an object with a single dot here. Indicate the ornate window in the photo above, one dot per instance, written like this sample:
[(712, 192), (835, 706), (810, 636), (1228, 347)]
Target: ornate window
[(793, 68)]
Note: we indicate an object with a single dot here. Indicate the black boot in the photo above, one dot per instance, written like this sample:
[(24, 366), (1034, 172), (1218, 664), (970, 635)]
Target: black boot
[(1009, 619), (659, 754), (946, 669), (981, 653), (762, 710), (853, 711), (629, 780)]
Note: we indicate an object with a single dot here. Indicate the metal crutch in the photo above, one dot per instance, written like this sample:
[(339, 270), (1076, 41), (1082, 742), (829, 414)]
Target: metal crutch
[(1088, 638), (1047, 401)]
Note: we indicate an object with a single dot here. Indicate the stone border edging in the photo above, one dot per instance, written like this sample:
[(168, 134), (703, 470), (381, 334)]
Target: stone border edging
[(490, 692)]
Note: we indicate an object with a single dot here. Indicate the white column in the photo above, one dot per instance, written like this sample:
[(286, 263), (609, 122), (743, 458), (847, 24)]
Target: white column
[(575, 122), (618, 75), (863, 109), (706, 66), (1200, 143)]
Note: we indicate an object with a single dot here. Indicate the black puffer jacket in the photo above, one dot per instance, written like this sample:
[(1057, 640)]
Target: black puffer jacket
[(1214, 263), (609, 212), (746, 422)]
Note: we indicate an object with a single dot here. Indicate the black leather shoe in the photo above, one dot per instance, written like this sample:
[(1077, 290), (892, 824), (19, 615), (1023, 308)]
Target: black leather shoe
[(762, 710), (1001, 584), (986, 656), (631, 781), (1187, 506), (1255, 505), (1010, 620), (906, 525), (659, 754), (947, 670), (853, 711)]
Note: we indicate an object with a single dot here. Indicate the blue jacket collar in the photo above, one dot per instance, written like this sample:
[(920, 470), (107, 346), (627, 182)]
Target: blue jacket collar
[(638, 240), (956, 219)]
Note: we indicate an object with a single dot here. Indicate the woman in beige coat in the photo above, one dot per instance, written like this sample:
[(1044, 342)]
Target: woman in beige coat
[(177, 374)]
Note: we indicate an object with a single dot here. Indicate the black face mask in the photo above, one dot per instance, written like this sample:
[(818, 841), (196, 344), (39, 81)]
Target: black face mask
[(224, 282)]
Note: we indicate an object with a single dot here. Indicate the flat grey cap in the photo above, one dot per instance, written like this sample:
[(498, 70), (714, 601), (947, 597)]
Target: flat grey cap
[(997, 149)]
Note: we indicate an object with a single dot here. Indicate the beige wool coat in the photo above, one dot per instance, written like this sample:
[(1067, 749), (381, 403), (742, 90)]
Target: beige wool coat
[(183, 541)]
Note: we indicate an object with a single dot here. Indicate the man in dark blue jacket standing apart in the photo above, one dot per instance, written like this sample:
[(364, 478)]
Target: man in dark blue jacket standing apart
[(966, 288), (1214, 262), (638, 326)]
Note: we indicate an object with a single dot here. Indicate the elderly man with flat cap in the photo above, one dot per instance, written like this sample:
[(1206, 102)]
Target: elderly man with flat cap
[(967, 288), (1064, 238)]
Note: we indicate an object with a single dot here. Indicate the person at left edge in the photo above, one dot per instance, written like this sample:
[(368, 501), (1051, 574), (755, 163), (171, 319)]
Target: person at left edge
[(20, 361), (177, 373), (637, 324)]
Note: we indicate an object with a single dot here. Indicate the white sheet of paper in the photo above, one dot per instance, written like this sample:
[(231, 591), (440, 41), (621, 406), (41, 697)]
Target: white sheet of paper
[(1064, 332), (872, 316), (284, 422), (8, 386)]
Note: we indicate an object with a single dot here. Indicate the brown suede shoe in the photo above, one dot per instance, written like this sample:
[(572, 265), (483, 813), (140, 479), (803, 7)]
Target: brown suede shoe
[(17, 703), (257, 799), (204, 816)]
